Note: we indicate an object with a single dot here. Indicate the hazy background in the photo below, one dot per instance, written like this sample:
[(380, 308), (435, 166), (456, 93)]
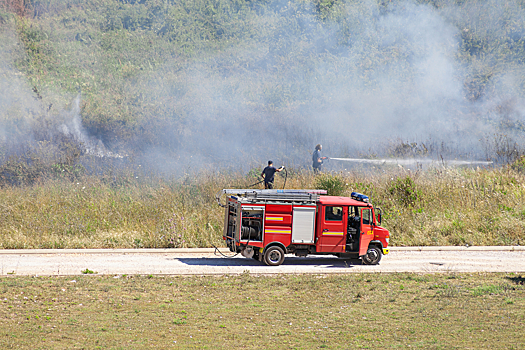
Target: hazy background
[(180, 85)]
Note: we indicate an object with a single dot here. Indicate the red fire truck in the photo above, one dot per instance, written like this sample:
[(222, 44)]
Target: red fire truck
[(267, 224)]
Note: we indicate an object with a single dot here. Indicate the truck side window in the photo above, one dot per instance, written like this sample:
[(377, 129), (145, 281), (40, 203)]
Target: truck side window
[(367, 219), (333, 214)]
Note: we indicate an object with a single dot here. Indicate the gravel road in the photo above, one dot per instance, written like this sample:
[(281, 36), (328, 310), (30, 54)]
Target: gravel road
[(205, 262)]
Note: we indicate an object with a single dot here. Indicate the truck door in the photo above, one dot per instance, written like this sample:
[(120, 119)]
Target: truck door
[(353, 235), (332, 229), (367, 229)]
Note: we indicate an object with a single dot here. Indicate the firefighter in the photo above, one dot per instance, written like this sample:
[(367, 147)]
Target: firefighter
[(268, 174), (317, 159)]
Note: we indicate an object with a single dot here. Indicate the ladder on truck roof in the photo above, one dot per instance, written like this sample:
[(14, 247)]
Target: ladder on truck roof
[(283, 195)]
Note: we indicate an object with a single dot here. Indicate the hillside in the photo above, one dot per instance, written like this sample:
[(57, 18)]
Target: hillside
[(216, 81)]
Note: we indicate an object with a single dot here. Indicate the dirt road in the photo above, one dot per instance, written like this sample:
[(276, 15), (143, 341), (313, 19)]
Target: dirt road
[(205, 262)]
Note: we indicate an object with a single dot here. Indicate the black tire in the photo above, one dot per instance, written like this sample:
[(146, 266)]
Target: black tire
[(372, 256), (274, 256)]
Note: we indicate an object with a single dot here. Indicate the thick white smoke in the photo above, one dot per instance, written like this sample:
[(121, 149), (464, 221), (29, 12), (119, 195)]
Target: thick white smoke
[(399, 73)]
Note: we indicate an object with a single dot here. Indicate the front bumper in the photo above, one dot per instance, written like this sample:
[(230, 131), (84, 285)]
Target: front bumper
[(386, 251)]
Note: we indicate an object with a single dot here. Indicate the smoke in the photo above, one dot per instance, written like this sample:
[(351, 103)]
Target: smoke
[(25, 122), (406, 83), (18, 106), (439, 79), (357, 84), (73, 128)]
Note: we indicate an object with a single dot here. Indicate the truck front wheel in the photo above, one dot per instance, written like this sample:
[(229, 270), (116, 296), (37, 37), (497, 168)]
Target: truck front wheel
[(274, 256), (372, 256)]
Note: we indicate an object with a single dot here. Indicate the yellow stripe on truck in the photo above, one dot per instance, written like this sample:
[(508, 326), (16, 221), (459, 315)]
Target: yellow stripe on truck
[(277, 231), (333, 233), (274, 219)]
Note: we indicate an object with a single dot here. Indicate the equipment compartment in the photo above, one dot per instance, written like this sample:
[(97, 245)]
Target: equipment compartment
[(252, 224)]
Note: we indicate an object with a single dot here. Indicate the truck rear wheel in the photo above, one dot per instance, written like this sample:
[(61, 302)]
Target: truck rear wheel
[(274, 256), (372, 256)]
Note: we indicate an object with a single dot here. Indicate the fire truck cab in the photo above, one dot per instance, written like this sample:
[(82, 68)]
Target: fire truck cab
[(267, 224)]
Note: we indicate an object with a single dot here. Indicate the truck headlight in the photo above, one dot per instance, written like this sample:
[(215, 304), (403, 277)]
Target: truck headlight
[(387, 240)]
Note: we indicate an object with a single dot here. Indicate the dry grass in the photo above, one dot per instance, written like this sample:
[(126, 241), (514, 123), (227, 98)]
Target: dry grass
[(456, 207), (449, 311), (434, 207)]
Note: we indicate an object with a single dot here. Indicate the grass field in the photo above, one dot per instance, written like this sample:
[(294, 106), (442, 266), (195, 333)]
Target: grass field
[(380, 311)]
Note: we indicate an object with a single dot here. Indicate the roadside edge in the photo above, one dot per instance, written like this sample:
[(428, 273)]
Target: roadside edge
[(226, 250)]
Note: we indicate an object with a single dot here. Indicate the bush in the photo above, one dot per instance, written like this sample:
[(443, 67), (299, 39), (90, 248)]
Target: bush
[(404, 191), (335, 185), (519, 164)]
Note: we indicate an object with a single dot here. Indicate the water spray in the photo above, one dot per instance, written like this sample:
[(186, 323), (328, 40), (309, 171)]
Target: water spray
[(413, 161)]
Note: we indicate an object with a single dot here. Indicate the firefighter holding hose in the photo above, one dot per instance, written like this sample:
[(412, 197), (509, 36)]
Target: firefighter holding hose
[(317, 159), (268, 174)]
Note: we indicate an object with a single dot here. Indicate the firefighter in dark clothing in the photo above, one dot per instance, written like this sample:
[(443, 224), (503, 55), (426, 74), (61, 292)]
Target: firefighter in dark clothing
[(268, 174), (317, 159)]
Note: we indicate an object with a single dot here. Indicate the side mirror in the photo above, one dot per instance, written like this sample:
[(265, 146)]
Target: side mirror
[(378, 216)]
